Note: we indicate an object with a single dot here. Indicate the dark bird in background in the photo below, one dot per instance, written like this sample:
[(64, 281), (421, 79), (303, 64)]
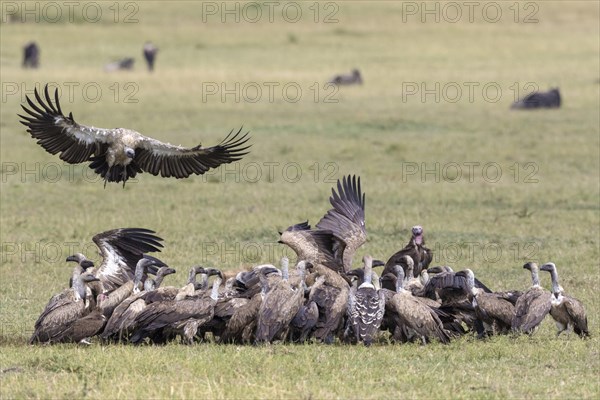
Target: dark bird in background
[(31, 55), (354, 78), (119, 154), (549, 99), (150, 51), (124, 64)]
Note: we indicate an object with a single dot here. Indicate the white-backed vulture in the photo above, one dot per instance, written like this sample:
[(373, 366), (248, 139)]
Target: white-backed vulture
[(62, 311), (241, 327), (354, 78), (182, 316), (533, 305), (280, 304), (567, 311), (123, 320), (120, 154), (366, 306), (412, 318), (494, 311)]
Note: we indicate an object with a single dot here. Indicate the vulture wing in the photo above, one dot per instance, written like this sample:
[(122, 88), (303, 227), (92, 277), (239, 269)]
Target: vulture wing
[(121, 249), (168, 160), (57, 133), (346, 220)]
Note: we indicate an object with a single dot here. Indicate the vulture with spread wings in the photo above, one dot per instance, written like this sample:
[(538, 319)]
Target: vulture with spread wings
[(338, 234), (119, 154), (120, 250)]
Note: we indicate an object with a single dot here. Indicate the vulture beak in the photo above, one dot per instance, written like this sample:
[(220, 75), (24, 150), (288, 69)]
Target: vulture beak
[(72, 258), (90, 278), (170, 271), (86, 264), (378, 263), (280, 242)]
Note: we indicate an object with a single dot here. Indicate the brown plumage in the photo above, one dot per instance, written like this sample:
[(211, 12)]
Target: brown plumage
[(183, 316), (241, 327), (567, 311), (414, 319), (416, 249), (121, 320), (119, 154), (494, 311), (330, 293), (280, 304), (533, 306), (53, 325), (310, 245)]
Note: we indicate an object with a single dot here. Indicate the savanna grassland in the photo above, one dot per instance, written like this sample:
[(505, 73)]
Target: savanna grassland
[(493, 188)]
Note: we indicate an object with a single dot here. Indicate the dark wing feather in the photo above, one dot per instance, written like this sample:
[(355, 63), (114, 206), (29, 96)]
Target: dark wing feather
[(347, 218), (156, 157), (121, 249), (57, 133)]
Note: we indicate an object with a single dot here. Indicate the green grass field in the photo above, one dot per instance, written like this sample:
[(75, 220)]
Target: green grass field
[(493, 188)]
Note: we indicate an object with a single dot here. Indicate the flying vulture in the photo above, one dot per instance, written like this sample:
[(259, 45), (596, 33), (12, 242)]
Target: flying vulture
[(119, 154)]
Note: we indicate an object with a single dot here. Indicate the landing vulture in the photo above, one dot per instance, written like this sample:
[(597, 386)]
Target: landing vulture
[(119, 154)]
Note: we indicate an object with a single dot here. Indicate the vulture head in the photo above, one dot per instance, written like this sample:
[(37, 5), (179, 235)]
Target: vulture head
[(548, 267), (530, 266), (417, 234), (81, 260)]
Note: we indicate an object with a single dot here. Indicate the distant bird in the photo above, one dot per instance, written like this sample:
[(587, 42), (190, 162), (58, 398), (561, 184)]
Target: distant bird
[(567, 311), (366, 306), (532, 306), (119, 154), (31, 55), (125, 64), (150, 51), (416, 249), (549, 99), (354, 78)]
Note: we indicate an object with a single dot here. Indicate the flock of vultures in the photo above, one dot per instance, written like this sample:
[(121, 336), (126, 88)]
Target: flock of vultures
[(322, 298), (126, 299)]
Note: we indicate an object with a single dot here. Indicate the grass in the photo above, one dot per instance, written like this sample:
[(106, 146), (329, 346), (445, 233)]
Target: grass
[(230, 219)]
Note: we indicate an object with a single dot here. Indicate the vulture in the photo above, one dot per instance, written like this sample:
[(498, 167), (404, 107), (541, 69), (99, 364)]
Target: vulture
[(532, 306), (330, 293), (366, 306), (549, 99), (120, 154), (31, 55), (354, 78), (493, 310), (412, 318), (338, 234), (416, 249), (241, 327), (121, 249), (184, 315), (567, 311), (54, 324), (280, 304)]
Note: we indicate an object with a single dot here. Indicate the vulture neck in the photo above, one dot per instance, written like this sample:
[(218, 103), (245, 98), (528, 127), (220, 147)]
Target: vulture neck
[(79, 285), (140, 270), (214, 294), (535, 276), (399, 280), (285, 269), (556, 288), (367, 282)]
